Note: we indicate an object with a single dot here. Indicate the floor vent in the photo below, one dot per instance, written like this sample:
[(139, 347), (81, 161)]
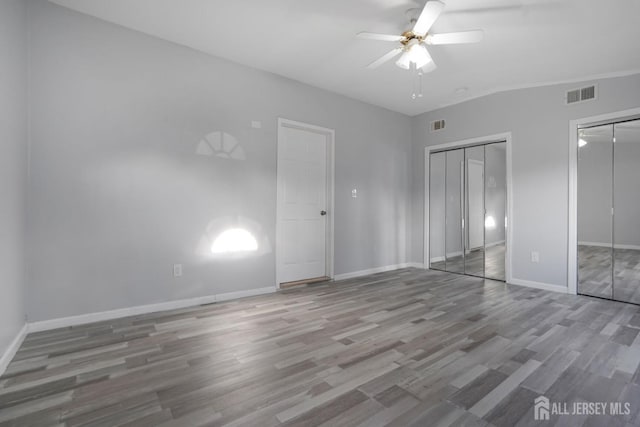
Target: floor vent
[(437, 125), (581, 94)]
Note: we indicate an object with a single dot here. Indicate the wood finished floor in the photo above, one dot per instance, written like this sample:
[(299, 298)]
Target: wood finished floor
[(409, 347)]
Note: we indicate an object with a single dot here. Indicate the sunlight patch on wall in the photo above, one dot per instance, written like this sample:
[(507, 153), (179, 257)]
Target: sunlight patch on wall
[(234, 240), (489, 222)]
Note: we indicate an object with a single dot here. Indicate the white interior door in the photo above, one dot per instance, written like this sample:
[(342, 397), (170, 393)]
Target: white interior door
[(475, 186), (302, 204)]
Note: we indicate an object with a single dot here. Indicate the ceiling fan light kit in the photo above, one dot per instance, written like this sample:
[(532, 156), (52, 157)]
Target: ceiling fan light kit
[(413, 52)]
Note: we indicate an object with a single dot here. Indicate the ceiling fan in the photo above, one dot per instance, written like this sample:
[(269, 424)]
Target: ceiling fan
[(413, 42)]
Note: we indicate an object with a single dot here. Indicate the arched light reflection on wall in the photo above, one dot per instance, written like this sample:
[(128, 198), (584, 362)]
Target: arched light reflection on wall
[(234, 240), (233, 237)]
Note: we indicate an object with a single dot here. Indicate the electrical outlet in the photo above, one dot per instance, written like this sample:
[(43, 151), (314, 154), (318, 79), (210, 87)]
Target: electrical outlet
[(256, 124), (177, 270), (354, 193), (535, 257)]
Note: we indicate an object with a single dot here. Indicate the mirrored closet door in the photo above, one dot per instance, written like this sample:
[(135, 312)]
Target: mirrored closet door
[(454, 233), (608, 211), (495, 221), (437, 215), (467, 210), (474, 211)]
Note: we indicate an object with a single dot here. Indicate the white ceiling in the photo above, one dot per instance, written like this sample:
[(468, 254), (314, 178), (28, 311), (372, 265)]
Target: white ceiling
[(526, 43)]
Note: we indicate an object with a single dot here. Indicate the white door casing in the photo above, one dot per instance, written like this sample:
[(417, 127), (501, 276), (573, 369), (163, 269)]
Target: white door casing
[(574, 125), (304, 244), (509, 220)]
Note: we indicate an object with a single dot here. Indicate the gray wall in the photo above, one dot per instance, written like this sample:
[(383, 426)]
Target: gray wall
[(119, 193), (539, 121), (13, 166)]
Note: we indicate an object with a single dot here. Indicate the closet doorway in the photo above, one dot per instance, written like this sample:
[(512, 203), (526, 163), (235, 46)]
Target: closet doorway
[(608, 209), (467, 210)]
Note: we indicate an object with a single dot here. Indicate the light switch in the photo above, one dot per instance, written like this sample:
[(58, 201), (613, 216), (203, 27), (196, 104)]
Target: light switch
[(256, 124), (177, 270), (354, 193), (535, 257)]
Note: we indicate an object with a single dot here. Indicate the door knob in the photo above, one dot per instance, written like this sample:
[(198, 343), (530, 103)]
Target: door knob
[(323, 213)]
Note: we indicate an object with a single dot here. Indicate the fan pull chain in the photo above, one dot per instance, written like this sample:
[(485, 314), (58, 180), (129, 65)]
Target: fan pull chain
[(417, 82), (414, 83)]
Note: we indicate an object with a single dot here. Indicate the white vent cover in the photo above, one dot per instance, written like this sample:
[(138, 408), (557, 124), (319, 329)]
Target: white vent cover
[(437, 125), (581, 94)]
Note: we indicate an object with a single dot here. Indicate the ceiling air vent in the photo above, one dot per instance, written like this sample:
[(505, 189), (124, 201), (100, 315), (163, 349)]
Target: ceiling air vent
[(437, 125), (581, 94)]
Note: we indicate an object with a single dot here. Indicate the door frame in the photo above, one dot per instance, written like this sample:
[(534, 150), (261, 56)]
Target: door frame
[(572, 243), (330, 135), (483, 140)]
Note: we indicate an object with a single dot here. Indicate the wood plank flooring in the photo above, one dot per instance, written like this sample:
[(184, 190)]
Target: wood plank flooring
[(404, 348)]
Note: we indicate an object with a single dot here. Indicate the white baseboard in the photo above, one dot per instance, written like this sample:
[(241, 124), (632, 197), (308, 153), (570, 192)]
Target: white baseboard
[(243, 294), (539, 285), (608, 245), (11, 351), (63, 322), (416, 265), (353, 274)]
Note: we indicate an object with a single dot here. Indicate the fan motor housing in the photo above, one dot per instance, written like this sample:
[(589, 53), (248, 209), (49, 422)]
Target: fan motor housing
[(409, 35)]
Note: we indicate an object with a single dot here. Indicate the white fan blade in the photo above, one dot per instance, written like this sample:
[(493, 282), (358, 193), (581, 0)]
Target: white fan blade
[(428, 16), (386, 57), (381, 37), (473, 36), (429, 67)]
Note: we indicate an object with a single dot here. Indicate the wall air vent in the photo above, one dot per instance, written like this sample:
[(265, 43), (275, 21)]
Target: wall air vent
[(588, 93), (573, 96), (581, 94), (437, 125)]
